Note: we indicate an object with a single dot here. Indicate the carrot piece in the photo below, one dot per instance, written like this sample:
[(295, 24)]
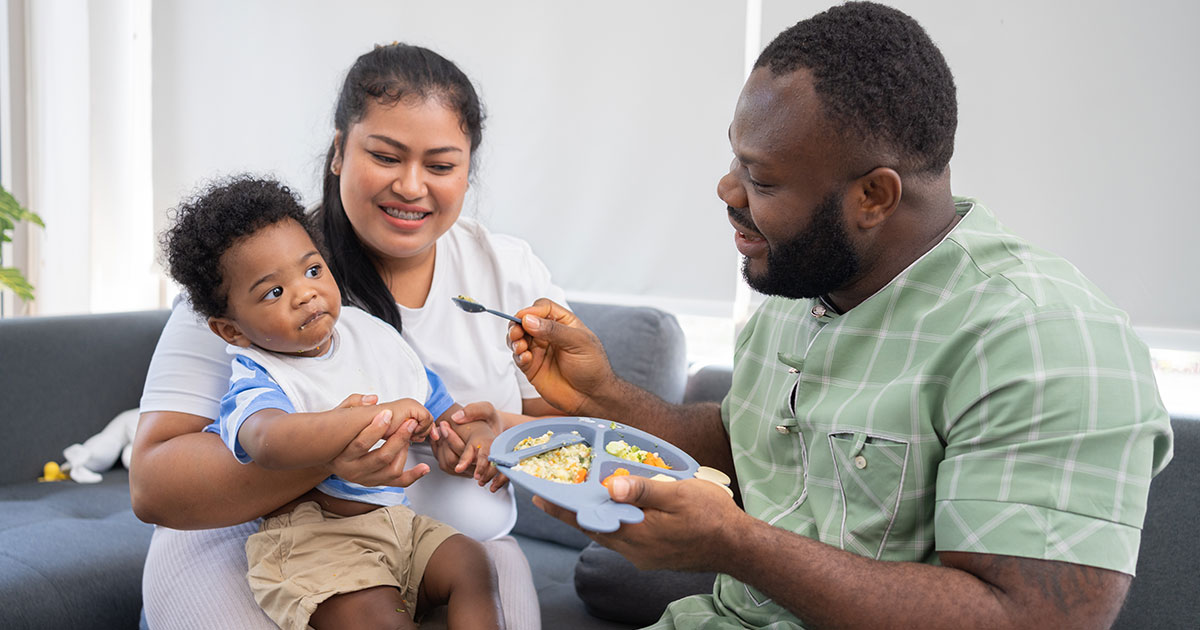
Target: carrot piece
[(654, 460), (580, 476), (620, 472)]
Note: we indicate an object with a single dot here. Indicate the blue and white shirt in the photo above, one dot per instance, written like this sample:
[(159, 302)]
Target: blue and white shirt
[(367, 356)]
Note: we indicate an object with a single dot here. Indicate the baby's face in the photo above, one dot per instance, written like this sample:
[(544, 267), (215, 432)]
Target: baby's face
[(281, 295)]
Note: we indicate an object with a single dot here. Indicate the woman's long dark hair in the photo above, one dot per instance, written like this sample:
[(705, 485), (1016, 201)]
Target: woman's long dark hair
[(384, 76)]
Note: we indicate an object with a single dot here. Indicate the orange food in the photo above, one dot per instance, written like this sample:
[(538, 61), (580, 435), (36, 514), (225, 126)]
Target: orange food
[(654, 460), (580, 476), (620, 472)]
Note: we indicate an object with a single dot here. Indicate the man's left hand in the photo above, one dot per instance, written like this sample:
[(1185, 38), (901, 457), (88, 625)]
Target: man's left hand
[(685, 524)]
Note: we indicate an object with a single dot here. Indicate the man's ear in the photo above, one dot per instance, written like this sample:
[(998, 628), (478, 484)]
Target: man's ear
[(228, 330), (877, 195), (335, 165)]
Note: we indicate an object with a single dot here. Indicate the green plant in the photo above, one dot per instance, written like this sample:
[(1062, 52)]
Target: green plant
[(11, 213)]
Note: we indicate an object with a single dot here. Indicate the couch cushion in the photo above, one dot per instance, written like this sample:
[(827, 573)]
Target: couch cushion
[(552, 565), (612, 588), (645, 345), (71, 555), (1166, 591), (62, 380)]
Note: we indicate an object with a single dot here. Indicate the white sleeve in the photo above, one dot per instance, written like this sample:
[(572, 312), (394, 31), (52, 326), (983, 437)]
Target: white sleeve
[(526, 279), (189, 371)]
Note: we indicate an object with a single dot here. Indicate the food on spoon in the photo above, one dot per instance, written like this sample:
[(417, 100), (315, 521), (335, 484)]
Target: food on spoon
[(620, 472), (619, 448), (566, 464)]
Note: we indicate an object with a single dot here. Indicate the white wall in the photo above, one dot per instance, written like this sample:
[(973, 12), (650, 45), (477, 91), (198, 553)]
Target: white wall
[(606, 129), (1078, 127)]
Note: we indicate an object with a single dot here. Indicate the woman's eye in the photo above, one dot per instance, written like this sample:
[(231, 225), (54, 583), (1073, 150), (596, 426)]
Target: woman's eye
[(313, 271), (273, 293), (386, 159), (441, 168)]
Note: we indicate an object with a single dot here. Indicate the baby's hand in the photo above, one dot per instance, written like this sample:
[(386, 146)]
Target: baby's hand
[(406, 408), (470, 439)]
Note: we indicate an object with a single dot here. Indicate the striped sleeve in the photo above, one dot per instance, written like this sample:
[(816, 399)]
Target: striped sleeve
[(251, 389), (439, 399)]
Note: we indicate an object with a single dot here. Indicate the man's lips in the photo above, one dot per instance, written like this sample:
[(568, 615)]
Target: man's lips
[(748, 242)]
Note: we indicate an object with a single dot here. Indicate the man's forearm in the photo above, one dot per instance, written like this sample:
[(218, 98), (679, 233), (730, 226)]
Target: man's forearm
[(827, 587), (696, 428)]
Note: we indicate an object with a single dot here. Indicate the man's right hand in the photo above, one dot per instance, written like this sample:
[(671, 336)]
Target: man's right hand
[(561, 357)]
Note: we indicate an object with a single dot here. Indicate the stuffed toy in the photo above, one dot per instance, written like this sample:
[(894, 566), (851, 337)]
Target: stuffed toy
[(100, 452)]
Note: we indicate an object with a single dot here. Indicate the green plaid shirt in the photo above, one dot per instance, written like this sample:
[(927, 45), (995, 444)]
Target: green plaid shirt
[(989, 399)]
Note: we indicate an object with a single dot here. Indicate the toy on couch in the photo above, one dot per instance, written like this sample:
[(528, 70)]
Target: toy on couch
[(86, 461)]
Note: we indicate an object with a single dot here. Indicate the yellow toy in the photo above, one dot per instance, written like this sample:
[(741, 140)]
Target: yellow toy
[(52, 472)]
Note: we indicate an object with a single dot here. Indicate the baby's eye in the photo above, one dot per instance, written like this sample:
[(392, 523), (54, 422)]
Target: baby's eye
[(274, 294), (313, 272)]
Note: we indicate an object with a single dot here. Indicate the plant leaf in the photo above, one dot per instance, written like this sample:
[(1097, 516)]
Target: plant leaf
[(12, 278)]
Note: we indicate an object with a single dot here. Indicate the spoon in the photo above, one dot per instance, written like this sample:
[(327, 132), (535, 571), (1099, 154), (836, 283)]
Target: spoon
[(471, 306)]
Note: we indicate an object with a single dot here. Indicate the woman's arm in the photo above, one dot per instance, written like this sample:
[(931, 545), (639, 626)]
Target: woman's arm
[(185, 478)]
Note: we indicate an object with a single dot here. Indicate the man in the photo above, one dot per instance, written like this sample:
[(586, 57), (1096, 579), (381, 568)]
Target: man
[(932, 423)]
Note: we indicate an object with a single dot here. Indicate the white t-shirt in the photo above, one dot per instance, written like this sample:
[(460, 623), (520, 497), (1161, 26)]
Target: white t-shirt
[(189, 371)]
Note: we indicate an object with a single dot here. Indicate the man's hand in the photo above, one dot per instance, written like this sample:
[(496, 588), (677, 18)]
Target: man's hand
[(560, 356), (683, 529)]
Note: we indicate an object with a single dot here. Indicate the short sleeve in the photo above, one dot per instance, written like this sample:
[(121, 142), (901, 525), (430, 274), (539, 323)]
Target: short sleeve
[(189, 371), (527, 279), (1054, 428), (439, 399), (251, 389)]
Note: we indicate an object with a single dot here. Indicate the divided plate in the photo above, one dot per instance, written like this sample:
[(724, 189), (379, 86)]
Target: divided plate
[(589, 500)]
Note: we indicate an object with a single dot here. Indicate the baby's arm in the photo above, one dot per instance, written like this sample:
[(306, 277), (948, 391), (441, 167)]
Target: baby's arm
[(280, 440)]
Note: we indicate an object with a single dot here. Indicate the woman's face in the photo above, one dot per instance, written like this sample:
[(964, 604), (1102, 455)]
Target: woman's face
[(403, 171)]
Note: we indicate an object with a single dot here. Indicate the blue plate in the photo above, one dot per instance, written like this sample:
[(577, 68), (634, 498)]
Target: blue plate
[(589, 500)]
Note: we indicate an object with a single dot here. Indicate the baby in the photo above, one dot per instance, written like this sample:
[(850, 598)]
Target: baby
[(343, 555)]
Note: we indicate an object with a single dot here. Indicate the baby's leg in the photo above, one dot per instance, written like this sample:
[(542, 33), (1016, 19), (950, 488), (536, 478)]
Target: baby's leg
[(376, 607), (460, 576)]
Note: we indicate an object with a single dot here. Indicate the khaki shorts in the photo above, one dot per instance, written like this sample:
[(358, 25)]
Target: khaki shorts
[(300, 559)]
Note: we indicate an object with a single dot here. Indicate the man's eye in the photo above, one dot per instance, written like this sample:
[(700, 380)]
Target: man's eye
[(273, 293), (313, 271), (759, 185)]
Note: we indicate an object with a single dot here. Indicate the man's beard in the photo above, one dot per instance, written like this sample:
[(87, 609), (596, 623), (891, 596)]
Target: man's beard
[(818, 260)]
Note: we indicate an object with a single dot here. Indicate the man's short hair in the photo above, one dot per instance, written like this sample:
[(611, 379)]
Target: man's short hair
[(879, 76)]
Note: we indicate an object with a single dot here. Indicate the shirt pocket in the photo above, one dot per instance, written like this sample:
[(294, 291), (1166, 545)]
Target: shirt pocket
[(870, 475)]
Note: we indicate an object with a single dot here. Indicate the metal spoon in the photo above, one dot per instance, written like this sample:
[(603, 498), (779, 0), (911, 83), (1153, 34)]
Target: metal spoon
[(471, 306)]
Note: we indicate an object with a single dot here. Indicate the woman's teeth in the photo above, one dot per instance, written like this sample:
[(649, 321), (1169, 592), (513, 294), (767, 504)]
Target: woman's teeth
[(404, 214)]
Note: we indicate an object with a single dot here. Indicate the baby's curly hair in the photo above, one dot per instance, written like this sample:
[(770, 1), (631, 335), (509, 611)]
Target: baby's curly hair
[(210, 221)]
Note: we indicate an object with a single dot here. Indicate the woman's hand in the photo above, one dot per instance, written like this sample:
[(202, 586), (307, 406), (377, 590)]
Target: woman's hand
[(561, 357), (383, 466)]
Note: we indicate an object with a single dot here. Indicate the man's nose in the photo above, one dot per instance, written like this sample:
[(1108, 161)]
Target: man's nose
[(730, 189)]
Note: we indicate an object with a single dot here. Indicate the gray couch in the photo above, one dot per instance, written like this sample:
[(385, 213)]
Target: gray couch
[(71, 555)]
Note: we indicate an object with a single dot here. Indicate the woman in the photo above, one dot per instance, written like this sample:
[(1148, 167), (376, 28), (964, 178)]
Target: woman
[(407, 127)]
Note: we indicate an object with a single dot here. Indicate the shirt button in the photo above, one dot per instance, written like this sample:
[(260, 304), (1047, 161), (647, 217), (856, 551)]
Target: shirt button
[(782, 429), (860, 462), (818, 311)]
